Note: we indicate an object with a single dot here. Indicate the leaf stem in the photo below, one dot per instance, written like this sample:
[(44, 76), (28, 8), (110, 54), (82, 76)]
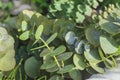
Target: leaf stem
[(51, 51)]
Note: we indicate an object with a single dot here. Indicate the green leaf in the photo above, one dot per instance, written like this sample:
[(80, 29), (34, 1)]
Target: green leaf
[(66, 69), (108, 45), (109, 63), (109, 27), (48, 64), (92, 35), (32, 67), (75, 74), (27, 13), (1, 4), (95, 3), (53, 69), (88, 10), (46, 52), (96, 67), (38, 32), (48, 25), (80, 17), (58, 50), (92, 56), (64, 56), (24, 25), (49, 40), (25, 35), (79, 62), (56, 77)]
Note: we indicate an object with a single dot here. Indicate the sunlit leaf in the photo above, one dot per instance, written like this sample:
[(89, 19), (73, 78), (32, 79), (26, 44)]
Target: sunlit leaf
[(108, 45), (24, 25), (25, 35), (38, 32), (79, 62), (80, 17)]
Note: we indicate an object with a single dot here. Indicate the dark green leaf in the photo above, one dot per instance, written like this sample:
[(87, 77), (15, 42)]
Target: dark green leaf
[(92, 35), (92, 56), (58, 50), (53, 69), (32, 67), (45, 52), (64, 56), (48, 64), (109, 27), (51, 38), (56, 77), (66, 69), (75, 74)]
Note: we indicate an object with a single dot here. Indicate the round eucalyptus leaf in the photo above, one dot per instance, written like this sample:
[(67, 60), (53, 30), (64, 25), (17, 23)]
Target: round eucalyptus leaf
[(79, 62), (108, 45), (79, 47), (70, 38), (92, 56), (92, 35), (32, 67)]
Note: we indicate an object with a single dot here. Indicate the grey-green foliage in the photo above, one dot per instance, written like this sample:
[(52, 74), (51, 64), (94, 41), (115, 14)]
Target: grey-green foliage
[(7, 52), (51, 57), (88, 44), (76, 10)]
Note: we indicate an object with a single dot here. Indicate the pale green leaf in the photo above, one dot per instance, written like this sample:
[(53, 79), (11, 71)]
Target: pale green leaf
[(24, 25), (79, 62), (108, 45), (38, 32), (25, 35)]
